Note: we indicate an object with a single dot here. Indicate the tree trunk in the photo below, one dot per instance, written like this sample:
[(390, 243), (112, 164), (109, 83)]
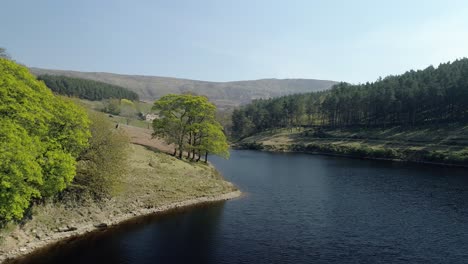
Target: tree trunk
[(199, 156), (193, 154), (206, 157), (190, 144), (180, 151), (175, 152)]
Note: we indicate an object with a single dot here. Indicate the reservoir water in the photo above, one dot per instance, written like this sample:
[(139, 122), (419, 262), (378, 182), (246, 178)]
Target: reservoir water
[(300, 208)]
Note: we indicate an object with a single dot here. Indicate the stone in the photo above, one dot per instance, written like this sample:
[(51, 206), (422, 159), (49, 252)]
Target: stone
[(101, 225), (66, 229)]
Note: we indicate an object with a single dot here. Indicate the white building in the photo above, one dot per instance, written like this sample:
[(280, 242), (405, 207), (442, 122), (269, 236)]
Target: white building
[(151, 117)]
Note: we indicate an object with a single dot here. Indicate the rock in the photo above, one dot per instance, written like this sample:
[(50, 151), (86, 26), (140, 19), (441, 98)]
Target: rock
[(101, 226), (40, 235), (23, 249), (66, 229)]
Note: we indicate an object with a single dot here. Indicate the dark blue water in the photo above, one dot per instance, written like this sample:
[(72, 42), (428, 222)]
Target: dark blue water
[(300, 209)]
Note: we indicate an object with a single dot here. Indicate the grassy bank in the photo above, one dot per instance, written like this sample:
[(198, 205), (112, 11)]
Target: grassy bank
[(447, 144), (155, 181)]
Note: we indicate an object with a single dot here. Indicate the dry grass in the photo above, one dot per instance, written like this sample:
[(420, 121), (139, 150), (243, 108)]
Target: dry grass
[(142, 136)]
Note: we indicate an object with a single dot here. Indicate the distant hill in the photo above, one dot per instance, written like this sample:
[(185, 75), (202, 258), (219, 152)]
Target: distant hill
[(224, 94)]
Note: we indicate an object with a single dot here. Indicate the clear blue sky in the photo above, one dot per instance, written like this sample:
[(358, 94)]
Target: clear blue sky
[(354, 41)]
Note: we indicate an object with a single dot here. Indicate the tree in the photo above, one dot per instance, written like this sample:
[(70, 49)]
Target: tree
[(429, 96), (20, 173), (188, 121), (112, 106), (41, 135), (128, 109), (213, 141)]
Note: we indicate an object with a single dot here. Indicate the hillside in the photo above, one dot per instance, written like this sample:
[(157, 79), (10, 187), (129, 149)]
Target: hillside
[(223, 94), (86, 89)]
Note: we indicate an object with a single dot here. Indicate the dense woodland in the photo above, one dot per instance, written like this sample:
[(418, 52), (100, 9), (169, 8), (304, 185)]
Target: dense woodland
[(429, 96), (86, 89)]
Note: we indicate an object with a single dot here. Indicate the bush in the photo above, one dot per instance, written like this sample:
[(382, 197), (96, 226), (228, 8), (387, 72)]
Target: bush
[(104, 162)]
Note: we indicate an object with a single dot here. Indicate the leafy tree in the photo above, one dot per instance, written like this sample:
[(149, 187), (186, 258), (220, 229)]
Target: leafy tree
[(20, 173), (188, 121), (128, 109), (112, 106), (174, 120), (43, 136), (213, 141)]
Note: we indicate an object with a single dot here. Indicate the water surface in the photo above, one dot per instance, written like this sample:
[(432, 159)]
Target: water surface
[(301, 208)]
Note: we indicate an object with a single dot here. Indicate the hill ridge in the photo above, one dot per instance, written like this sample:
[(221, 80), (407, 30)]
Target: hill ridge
[(224, 94)]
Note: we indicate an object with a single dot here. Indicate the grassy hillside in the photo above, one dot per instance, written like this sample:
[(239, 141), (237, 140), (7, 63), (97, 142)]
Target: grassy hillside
[(223, 94), (444, 144)]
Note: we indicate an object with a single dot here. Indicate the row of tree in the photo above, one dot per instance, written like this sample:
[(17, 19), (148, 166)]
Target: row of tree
[(188, 122), (429, 96), (86, 89)]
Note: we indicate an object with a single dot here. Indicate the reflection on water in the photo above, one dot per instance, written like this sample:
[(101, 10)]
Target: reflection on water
[(174, 237)]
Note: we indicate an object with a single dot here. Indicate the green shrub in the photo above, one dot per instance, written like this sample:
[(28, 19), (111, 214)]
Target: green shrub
[(104, 162)]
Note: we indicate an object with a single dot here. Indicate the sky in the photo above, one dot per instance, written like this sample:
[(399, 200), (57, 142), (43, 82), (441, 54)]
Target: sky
[(222, 40)]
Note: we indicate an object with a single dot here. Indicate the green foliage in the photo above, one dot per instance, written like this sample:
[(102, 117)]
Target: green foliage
[(213, 140), (431, 96), (104, 162), (86, 89), (188, 121), (112, 106), (42, 135), (20, 173), (128, 109)]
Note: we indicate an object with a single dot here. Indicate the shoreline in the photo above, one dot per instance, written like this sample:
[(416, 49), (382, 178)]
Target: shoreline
[(120, 219), (282, 150)]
